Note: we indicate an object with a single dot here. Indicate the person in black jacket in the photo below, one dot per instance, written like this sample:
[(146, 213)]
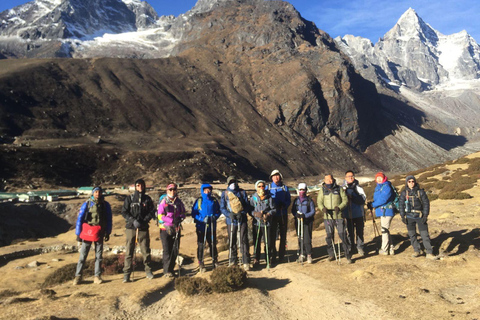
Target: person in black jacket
[(414, 208), (138, 210)]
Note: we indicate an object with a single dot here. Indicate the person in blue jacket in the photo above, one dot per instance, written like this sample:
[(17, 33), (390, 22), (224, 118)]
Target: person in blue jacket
[(383, 202), (282, 200), (304, 208), (235, 207), (354, 212), (205, 212), (96, 214)]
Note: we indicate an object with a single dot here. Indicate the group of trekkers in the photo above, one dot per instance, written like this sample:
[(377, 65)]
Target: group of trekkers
[(343, 208)]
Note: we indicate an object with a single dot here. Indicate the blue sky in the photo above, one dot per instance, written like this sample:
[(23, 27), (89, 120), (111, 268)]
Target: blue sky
[(367, 18)]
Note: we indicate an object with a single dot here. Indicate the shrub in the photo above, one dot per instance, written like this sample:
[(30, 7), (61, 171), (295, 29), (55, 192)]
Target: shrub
[(440, 184), (432, 197), (446, 178), (228, 279), (460, 184), (462, 161), (190, 286), (474, 166), (432, 173), (454, 196)]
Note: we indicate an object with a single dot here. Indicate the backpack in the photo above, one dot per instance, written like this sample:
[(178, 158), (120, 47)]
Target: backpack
[(236, 205), (396, 206)]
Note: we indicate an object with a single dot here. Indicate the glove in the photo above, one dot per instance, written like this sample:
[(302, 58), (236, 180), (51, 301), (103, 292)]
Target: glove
[(177, 221), (369, 205), (300, 215), (136, 224), (337, 210), (79, 239), (258, 214), (107, 237), (325, 210), (404, 219), (206, 220), (424, 218)]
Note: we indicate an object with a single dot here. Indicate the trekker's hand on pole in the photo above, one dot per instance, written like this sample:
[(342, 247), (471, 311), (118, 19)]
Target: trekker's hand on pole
[(136, 224), (369, 205), (79, 239), (107, 237), (325, 210), (337, 210)]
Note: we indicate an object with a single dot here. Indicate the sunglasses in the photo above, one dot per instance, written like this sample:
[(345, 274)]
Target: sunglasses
[(411, 181), (260, 186), (172, 189)]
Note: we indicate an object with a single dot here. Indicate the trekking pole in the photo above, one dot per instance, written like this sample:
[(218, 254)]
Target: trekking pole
[(239, 240), (134, 255), (334, 251), (230, 253), (301, 235), (286, 239), (213, 228), (267, 249), (258, 236), (204, 245), (375, 227), (299, 241)]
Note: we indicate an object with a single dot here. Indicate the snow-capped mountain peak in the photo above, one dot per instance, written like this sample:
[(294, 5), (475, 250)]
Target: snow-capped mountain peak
[(414, 54)]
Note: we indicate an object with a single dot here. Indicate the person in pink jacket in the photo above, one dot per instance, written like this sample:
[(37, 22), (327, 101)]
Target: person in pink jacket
[(170, 215)]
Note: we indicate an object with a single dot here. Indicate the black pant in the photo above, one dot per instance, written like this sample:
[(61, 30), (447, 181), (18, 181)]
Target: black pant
[(307, 236), (258, 232), (412, 233), (279, 224), (170, 251), (201, 244), (356, 226), (244, 245), (330, 225)]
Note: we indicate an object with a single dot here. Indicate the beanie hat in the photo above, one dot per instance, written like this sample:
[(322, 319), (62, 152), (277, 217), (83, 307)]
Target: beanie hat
[(98, 188), (258, 182), (274, 172), (379, 174)]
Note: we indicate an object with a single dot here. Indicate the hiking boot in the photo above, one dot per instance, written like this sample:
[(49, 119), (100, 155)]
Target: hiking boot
[(168, 275), (361, 253), (201, 267), (300, 259), (416, 254), (97, 280), (331, 258), (383, 253), (309, 259), (255, 262), (246, 267), (392, 251), (430, 256), (149, 274), (77, 280), (349, 260), (126, 278), (215, 264)]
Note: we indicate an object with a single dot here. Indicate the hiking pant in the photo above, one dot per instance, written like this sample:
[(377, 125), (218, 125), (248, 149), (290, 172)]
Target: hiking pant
[(144, 242), (307, 237), (355, 227), (201, 244), (412, 233), (84, 249), (279, 223), (386, 237), (258, 232), (170, 250), (330, 225), (232, 243)]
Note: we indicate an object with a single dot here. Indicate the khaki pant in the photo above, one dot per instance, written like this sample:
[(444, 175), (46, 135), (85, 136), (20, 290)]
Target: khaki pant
[(386, 237), (144, 243)]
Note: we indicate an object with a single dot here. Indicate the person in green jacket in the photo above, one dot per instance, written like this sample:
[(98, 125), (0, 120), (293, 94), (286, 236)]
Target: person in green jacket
[(331, 200)]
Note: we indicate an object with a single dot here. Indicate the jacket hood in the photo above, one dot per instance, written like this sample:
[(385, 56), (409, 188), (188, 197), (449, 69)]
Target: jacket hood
[(205, 186), (410, 178)]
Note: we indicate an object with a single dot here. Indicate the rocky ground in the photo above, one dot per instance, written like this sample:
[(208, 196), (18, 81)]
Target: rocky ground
[(384, 287)]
